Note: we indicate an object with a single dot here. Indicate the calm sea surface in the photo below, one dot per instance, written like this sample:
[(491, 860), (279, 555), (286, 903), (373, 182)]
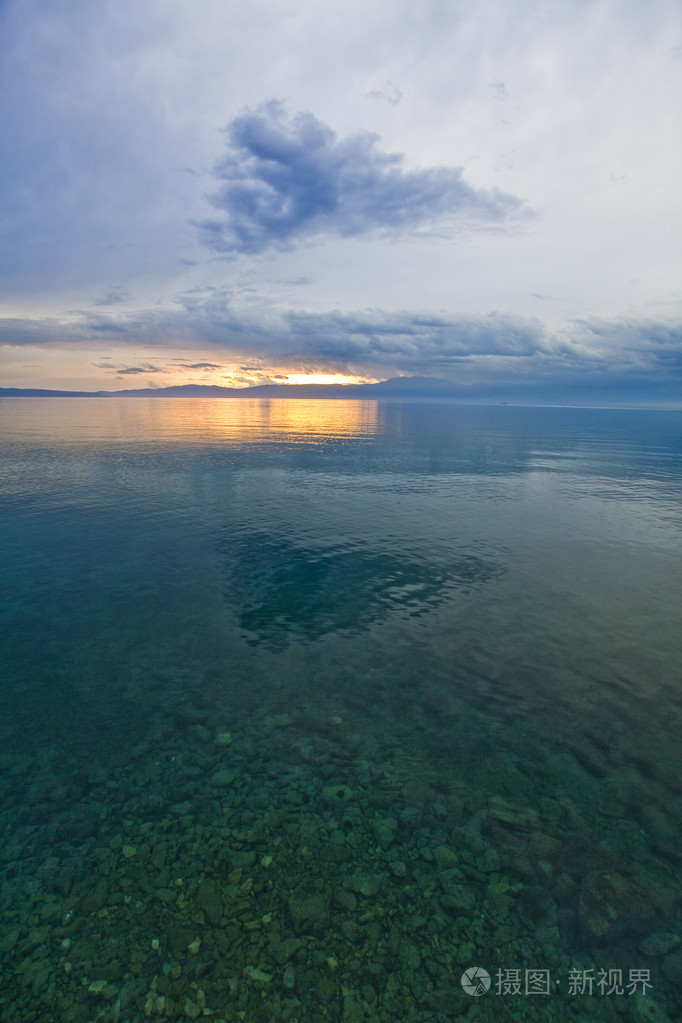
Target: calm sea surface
[(307, 707)]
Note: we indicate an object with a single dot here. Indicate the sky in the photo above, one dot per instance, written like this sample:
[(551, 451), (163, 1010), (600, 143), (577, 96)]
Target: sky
[(237, 193)]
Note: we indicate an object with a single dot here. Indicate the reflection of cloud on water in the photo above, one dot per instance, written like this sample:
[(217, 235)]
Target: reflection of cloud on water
[(285, 593)]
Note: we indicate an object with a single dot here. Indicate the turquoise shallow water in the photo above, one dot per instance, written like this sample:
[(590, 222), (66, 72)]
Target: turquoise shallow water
[(308, 707)]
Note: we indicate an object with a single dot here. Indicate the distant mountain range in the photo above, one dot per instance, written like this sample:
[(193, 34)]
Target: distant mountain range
[(399, 387), (597, 394)]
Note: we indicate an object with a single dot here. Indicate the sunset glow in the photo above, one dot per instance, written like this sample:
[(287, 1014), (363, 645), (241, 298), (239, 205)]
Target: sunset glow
[(326, 378)]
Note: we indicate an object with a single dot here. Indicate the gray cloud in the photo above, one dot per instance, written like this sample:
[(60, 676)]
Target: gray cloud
[(391, 94), (630, 335), (629, 341), (201, 365), (413, 342), (113, 297), (136, 370), (286, 179)]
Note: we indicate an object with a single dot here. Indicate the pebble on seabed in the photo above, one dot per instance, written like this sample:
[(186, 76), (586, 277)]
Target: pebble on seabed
[(292, 884)]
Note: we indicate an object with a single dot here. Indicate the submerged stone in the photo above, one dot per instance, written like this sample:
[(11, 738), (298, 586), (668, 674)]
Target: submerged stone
[(345, 899), (609, 904), (211, 902), (309, 913), (285, 950), (409, 955), (289, 978), (658, 943), (363, 882), (179, 938), (257, 975), (336, 795), (385, 830), (445, 857), (672, 968), (223, 779)]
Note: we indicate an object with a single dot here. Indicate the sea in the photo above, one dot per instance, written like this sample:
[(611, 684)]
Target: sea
[(352, 711)]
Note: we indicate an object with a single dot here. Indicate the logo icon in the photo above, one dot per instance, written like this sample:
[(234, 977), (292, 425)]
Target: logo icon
[(475, 981)]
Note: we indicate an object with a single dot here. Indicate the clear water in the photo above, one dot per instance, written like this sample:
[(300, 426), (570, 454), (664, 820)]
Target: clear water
[(445, 644)]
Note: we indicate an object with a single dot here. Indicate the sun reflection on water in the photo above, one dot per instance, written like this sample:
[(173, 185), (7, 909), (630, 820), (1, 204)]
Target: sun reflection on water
[(75, 421)]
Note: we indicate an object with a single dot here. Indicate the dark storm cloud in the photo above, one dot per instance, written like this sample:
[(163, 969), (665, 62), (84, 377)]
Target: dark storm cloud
[(286, 179)]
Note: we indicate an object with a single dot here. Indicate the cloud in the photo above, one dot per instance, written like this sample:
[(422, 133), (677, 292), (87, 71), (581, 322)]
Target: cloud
[(136, 370), (287, 179), (113, 297), (413, 342), (401, 341), (263, 341), (301, 280), (391, 94), (631, 342), (201, 365)]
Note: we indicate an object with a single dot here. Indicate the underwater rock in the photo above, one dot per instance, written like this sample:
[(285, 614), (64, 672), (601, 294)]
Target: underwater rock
[(457, 897), (191, 1009), (470, 833), (488, 862), (309, 913), (385, 830), (536, 907), (609, 903), (658, 943), (336, 795), (285, 950), (211, 902), (223, 779), (645, 1010), (353, 1009), (289, 978), (522, 818), (445, 857), (363, 882), (672, 969), (345, 899), (96, 899), (259, 976), (409, 956), (159, 855), (9, 939), (410, 817), (179, 938), (36, 937)]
